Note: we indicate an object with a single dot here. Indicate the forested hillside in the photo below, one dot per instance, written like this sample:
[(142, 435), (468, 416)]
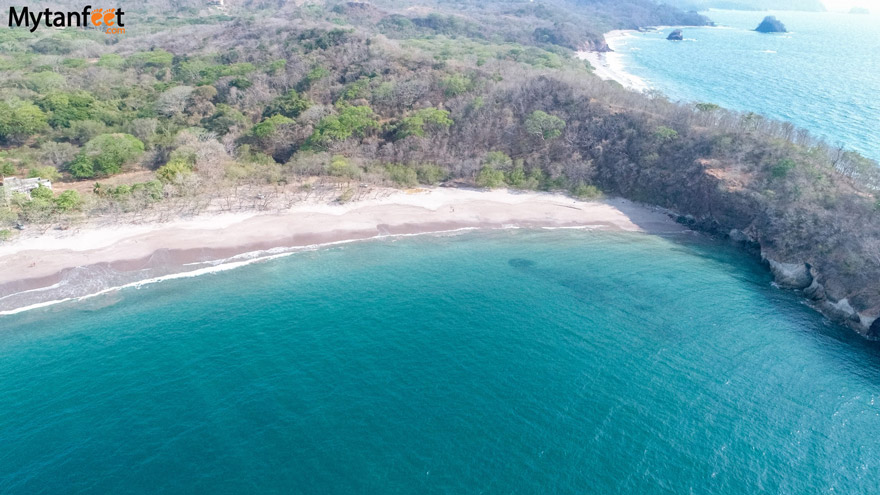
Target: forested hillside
[(248, 105)]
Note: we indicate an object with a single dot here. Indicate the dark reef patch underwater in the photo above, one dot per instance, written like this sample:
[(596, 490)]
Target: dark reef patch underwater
[(521, 263), (500, 362)]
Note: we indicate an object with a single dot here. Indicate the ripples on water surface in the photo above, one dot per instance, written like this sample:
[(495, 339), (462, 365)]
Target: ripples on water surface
[(823, 76), (506, 362)]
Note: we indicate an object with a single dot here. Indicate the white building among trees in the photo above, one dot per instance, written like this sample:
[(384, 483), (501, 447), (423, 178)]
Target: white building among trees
[(12, 185)]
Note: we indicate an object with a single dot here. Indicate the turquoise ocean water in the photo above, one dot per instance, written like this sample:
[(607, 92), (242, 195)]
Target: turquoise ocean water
[(501, 362), (824, 75)]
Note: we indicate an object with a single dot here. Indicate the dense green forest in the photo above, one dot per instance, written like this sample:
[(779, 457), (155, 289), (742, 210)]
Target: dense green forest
[(248, 105)]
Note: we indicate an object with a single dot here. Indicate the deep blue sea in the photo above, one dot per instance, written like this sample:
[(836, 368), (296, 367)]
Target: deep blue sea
[(824, 75), (527, 362)]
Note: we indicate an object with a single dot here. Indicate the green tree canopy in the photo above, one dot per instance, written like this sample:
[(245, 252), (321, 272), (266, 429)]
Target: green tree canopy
[(707, 107), (111, 61), (491, 178), (269, 126), (415, 124), (456, 84), (154, 58), (68, 201), (106, 155), (169, 172), (47, 172), (349, 121), (20, 120), (290, 105), (497, 160), (544, 125), (340, 166), (664, 133), (225, 118), (41, 192), (66, 107), (402, 175)]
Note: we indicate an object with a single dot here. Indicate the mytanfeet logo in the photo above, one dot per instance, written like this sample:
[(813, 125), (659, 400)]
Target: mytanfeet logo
[(108, 20)]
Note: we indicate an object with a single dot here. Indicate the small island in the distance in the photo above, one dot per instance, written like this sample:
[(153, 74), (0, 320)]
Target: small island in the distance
[(676, 35), (859, 10), (771, 24)]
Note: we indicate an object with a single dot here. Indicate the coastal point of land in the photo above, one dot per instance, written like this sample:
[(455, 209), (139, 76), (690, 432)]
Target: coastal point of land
[(609, 65)]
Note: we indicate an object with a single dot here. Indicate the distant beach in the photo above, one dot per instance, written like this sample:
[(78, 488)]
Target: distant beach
[(58, 265), (609, 65), (775, 75)]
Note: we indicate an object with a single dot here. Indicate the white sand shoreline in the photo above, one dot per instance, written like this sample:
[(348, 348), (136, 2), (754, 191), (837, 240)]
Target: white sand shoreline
[(64, 265), (609, 66)]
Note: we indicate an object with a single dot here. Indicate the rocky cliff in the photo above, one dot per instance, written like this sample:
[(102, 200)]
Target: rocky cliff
[(708, 197)]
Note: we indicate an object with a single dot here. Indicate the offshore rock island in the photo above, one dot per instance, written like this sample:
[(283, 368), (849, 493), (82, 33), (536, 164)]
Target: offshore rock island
[(771, 24)]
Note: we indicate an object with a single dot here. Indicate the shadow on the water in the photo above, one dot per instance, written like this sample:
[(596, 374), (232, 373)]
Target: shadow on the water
[(521, 263), (834, 340), (747, 267), (710, 248)]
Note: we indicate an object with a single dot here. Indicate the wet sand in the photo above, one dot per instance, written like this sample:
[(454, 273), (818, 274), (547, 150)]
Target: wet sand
[(74, 263)]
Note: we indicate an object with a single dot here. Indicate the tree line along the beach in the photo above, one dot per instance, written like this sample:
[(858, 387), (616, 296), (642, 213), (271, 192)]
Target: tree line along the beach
[(258, 106), (78, 107)]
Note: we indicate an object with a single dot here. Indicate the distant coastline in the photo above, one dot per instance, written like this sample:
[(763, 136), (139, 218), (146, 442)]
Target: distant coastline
[(840, 116), (609, 66), (647, 49)]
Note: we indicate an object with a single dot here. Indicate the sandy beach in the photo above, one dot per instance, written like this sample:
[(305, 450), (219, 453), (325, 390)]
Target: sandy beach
[(74, 263), (609, 65)]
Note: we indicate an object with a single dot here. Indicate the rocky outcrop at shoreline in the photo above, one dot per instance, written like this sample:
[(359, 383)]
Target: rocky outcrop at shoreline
[(800, 276), (676, 35), (790, 275), (874, 330), (600, 46), (796, 275), (704, 200)]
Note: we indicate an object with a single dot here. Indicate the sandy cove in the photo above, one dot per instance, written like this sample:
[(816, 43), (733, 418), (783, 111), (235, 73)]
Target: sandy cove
[(609, 66), (33, 263)]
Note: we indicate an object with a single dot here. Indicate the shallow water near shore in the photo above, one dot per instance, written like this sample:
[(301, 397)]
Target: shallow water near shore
[(514, 361), (822, 76)]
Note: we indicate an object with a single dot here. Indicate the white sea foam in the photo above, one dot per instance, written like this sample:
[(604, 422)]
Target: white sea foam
[(223, 265), (40, 289), (576, 227)]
